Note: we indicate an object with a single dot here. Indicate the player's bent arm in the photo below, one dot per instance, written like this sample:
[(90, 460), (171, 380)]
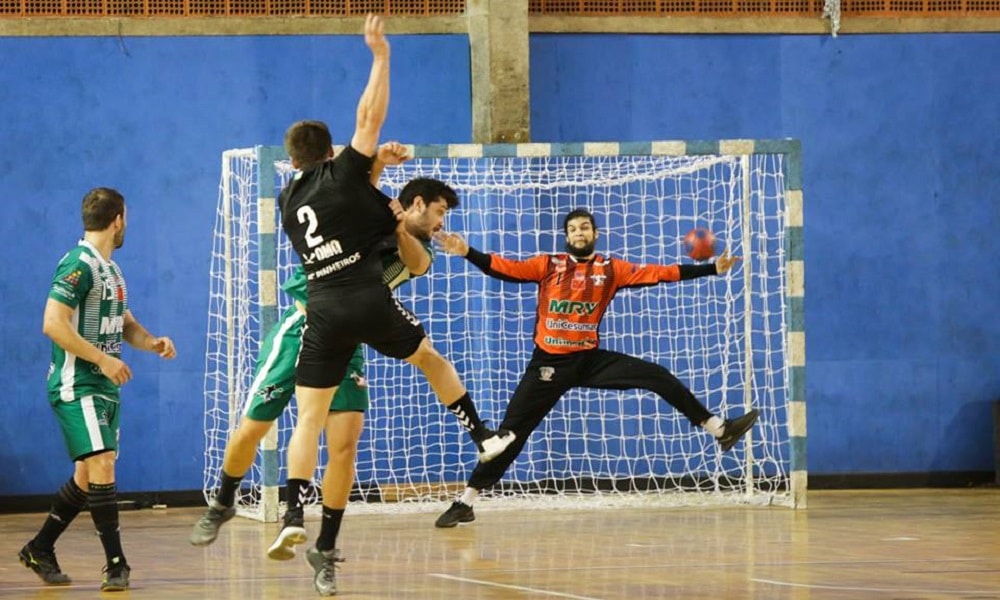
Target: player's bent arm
[(412, 252), (138, 337), (374, 102), (57, 324)]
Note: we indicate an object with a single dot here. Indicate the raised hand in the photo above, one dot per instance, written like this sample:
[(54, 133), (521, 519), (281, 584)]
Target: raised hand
[(725, 262), (392, 153), (452, 243), (375, 36)]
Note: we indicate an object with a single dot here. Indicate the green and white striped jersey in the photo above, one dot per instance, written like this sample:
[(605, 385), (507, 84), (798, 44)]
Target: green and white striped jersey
[(95, 289)]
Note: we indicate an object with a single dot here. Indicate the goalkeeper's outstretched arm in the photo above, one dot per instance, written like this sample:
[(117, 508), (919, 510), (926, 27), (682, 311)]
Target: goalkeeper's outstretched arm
[(518, 271)]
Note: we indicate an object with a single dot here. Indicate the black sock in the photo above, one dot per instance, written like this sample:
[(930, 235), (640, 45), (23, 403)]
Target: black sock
[(465, 410), (104, 511), (329, 529), (68, 503), (297, 489), (227, 489)]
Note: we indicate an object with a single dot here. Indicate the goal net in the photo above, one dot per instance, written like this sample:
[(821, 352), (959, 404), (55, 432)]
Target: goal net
[(736, 341)]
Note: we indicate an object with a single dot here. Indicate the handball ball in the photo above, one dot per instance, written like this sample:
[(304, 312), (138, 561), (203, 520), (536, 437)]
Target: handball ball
[(699, 244)]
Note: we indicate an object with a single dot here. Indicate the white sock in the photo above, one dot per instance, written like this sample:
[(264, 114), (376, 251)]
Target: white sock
[(715, 426), (469, 496)]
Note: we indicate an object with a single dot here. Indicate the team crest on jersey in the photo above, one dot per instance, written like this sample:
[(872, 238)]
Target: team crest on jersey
[(598, 280), (73, 278), (546, 373), (579, 281)]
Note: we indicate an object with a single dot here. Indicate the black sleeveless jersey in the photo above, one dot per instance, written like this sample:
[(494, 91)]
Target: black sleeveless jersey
[(334, 218)]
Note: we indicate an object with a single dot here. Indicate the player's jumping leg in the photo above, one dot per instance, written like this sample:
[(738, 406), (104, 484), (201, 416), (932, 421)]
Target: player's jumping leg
[(241, 449), (605, 369), (269, 394), (533, 400), (443, 378), (343, 430), (313, 406)]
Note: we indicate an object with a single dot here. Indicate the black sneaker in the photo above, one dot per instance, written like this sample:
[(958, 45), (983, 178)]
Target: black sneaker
[(207, 528), (292, 532), (116, 578), (494, 443), (457, 513), (43, 562), (734, 429), (324, 563)]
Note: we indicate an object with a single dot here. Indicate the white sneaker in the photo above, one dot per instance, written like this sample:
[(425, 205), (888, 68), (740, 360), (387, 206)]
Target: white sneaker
[(494, 445), (293, 532)]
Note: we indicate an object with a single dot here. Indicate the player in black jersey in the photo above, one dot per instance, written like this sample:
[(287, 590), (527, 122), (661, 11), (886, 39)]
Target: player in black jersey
[(337, 223)]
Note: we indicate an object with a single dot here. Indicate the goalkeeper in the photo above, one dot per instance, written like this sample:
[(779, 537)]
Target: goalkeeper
[(574, 291), (426, 201)]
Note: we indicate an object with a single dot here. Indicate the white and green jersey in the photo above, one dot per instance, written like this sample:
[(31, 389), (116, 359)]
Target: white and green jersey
[(95, 289)]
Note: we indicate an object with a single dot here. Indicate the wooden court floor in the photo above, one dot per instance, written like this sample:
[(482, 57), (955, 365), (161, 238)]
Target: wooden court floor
[(901, 545)]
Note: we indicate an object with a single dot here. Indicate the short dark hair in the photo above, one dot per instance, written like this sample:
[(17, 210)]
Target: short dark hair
[(428, 189), (308, 142), (101, 206), (578, 213)]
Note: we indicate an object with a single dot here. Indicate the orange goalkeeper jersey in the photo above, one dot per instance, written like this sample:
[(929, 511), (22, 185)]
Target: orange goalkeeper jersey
[(573, 295)]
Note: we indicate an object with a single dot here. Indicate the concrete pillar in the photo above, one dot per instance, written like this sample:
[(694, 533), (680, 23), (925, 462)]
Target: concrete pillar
[(498, 36)]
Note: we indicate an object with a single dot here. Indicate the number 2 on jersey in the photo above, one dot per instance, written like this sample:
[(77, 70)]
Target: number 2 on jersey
[(307, 215)]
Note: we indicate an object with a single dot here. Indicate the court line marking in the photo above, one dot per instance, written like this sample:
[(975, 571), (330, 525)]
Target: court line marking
[(874, 589), (512, 587)]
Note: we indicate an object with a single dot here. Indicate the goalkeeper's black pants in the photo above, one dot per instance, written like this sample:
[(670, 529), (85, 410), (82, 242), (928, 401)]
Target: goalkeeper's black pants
[(549, 376)]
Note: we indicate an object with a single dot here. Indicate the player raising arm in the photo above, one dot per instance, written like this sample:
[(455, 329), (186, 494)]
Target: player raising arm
[(337, 222), (566, 351)]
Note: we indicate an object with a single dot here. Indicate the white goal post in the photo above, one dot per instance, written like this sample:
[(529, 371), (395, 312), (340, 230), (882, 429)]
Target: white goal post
[(737, 341)]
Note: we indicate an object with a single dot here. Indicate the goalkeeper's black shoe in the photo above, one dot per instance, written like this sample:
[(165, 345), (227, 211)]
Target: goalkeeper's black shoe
[(734, 429), (494, 444), (457, 513), (116, 577)]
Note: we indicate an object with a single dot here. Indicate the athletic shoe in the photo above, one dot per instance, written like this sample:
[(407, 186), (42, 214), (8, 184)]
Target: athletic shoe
[(734, 429), (207, 528), (324, 563), (292, 532), (44, 563), (457, 513), (494, 444), (116, 578)]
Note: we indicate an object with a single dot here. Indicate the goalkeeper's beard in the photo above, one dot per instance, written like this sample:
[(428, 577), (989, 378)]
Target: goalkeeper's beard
[(583, 251)]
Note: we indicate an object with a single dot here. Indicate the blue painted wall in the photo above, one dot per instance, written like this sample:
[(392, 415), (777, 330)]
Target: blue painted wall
[(151, 117), (902, 204), (900, 177)]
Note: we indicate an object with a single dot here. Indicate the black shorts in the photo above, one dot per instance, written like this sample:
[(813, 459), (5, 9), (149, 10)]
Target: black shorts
[(338, 320)]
